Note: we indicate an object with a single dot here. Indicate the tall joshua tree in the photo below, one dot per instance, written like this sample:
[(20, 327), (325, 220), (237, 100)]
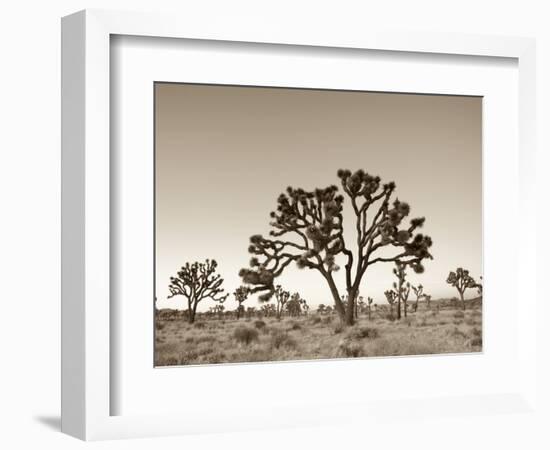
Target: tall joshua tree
[(241, 294), (308, 230), (461, 280), (282, 298), (401, 287), (196, 282)]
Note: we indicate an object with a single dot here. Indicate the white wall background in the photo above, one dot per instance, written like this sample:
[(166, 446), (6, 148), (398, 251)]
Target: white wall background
[(29, 222)]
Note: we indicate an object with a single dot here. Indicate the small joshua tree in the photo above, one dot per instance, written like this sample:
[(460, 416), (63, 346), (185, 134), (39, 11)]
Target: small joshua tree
[(321, 309), (369, 302), (461, 280), (391, 296), (419, 293), (294, 305), (196, 282), (241, 294), (360, 306), (305, 306), (308, 230), (268, 309), (282, 297), (428, 299), (401, 287)]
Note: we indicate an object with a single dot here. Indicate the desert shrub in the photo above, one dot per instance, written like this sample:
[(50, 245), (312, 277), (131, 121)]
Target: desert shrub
[(199, 325), (350, 349), (295, 326), (169, 361), (245, 335), (159, 325), (363, 332), (458, 315), (476, 341), (189, 339), (476, 313), (209, 338), (390, 317), (408, 321), (259, 324), (457, 333), (280, 339), (435, 312), (338, 328), (315, 320), (216, 358), (476, 332), (327, 320), (423, 322)]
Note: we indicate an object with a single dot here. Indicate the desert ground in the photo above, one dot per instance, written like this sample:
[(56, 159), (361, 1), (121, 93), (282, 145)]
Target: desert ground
[(443, 327)]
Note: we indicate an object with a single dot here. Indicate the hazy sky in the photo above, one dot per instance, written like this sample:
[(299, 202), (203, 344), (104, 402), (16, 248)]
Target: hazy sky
[(224, 154)]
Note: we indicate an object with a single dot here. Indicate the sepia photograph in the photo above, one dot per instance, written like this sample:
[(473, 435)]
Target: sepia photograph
[(298, 224)]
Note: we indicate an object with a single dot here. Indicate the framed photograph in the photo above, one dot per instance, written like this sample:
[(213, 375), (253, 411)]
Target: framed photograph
[(288, 213)]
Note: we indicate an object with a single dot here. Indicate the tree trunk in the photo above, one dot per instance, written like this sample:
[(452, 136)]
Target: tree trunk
[(336, 296), (463, 301), (398, 307), (405, 307)]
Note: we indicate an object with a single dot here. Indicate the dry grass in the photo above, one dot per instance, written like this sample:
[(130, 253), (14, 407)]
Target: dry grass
[(317, 337)]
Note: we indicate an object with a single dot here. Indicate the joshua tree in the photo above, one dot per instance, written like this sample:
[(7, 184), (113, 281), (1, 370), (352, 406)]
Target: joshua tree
[(419, 293), (401, 287), (360, 306), (321, 309), (294, 305), (390, 297), (240, 294), (369, 301), (282, 297), (196, 282), (250, 311), (308, 230), (305, 306), (461, 280), (428, 299), (268, 309)]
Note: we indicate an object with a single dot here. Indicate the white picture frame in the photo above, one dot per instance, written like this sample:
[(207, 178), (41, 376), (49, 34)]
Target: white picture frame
[(87, 386)]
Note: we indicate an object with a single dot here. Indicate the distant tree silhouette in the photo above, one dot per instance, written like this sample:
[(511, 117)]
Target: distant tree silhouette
[(419, 293), (241, 294), (369, 301), (391, 295), (282, 297), (268, 309), (311, 223), (196, 282), (321, 309), (294, 305), (402, 288), (461, 280)]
